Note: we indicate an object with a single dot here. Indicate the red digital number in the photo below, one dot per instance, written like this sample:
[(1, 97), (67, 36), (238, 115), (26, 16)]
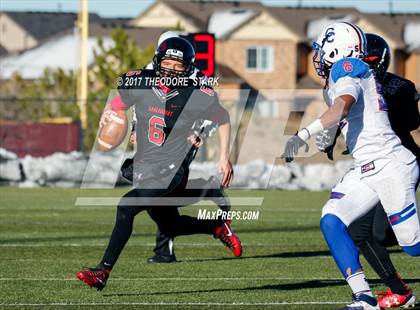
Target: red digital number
[(208, 55), (156, 133)]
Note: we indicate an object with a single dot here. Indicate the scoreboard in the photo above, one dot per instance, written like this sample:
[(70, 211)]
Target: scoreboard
[(204, 45)]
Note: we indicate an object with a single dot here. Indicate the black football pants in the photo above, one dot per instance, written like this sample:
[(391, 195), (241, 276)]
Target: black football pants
[(168, 219), (199, 191)]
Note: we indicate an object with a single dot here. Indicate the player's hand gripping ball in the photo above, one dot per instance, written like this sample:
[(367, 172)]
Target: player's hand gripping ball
[(113, 129)]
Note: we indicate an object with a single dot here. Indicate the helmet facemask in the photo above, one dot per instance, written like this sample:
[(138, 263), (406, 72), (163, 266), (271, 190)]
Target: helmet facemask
[(321, 65), (177, 49), (166, 72)]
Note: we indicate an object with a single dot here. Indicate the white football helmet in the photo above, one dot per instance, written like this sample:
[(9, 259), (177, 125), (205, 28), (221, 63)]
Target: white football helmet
[(337, 41)]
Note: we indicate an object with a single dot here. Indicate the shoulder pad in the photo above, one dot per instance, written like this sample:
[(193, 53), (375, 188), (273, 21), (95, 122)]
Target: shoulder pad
[(352, 67)]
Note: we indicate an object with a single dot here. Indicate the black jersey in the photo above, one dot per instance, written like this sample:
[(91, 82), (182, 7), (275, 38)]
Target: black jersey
[(403, 112), (166, 115)]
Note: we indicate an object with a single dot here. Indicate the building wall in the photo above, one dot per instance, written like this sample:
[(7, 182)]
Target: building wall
[(367, 27), (412, 68), (232, 53), (13, 37), (264, 26), (162, 16), (262, 30)]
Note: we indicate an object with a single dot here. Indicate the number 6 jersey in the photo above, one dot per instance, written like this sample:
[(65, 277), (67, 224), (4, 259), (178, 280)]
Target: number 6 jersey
[(165, 115)]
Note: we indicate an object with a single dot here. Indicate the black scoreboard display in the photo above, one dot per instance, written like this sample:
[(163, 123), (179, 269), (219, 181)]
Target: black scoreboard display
[(204, 45)]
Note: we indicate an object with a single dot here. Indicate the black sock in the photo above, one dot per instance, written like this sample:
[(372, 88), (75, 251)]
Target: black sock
[(396, 284), (119, 237), (103, 265), (378, 258), (187, 225)]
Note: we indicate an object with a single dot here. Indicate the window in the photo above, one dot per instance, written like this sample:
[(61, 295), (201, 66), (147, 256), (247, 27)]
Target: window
[(259, 58)]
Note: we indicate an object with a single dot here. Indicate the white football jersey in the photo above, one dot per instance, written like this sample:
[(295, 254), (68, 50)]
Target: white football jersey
[(368, 135)]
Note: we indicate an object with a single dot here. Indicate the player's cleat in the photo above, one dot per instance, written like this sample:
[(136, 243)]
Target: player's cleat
[(94, 277), (389, 299), (228, 238), (363, 302), (162, 259)]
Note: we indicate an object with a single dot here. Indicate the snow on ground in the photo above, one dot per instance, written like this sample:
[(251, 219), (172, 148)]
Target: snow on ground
[(69, 169)]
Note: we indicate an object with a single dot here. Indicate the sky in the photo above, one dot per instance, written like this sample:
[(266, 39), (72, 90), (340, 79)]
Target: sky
[(132, 8)]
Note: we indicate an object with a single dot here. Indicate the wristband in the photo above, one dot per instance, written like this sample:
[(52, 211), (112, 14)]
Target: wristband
[(310, 130)]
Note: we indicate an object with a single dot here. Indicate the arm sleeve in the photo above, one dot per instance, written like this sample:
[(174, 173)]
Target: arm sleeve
[(406, 112), (124, 100), (118, 104), (346, 86), (217, 113)]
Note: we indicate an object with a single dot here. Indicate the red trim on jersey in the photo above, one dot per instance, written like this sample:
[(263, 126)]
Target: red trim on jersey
[(117, 104), (163, 87)]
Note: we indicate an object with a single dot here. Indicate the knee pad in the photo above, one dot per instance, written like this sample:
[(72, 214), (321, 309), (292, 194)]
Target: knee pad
[(412, 250), (341, 245)]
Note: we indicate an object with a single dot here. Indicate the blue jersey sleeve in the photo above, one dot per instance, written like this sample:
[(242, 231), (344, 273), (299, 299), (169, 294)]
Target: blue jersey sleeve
[(351, 67)]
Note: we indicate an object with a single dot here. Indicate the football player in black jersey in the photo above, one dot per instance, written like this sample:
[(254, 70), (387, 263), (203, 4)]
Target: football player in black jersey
[(203, 189), (372, 233), (165, 117)]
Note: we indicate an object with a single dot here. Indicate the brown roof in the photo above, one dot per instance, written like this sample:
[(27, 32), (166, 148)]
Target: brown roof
[(392, 25), (297, 19), (113, 22), (143, 36), (199, 12), (42, 25)]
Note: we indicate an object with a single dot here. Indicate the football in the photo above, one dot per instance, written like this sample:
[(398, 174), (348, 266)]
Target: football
[(113, 133)]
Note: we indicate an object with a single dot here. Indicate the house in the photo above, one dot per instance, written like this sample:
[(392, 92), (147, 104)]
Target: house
[(143, 37), (199, 16), (190, 16), (405, 59), (270, 47), (20, 31), (60, 52), (59, 48), (24, 30)]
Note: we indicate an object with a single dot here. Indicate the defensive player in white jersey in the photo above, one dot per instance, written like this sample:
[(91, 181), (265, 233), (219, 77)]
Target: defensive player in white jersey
[(384, 170)]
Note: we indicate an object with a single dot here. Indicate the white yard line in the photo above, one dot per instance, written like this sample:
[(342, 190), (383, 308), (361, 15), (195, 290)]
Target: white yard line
[(182, 279), (284, 303), (178, 245)]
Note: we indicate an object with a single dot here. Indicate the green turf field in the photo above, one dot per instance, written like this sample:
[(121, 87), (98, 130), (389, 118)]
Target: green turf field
[(45, 239)]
